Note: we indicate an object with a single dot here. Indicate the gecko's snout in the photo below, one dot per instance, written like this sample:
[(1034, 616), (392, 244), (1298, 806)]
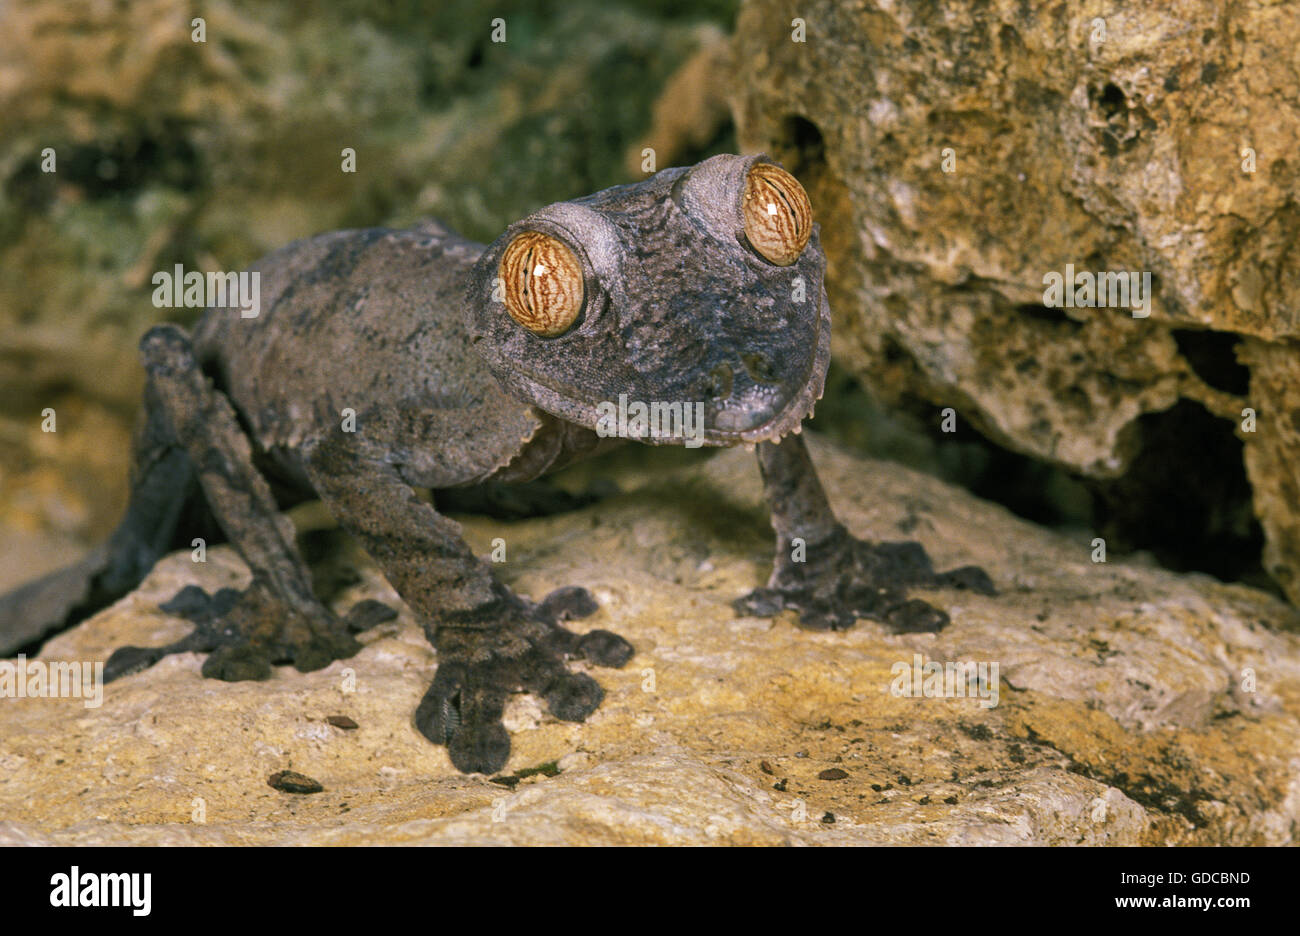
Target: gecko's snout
[(749, 410), (744, 397)]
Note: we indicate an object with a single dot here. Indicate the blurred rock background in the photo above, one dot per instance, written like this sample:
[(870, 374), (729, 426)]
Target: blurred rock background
[(1112, 153)]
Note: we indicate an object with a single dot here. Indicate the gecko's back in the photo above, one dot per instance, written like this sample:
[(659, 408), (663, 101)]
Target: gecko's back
[(368, 323)]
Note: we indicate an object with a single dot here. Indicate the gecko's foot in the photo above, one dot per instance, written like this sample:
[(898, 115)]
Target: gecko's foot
[(512, 645), (246, 633), (844, 578)]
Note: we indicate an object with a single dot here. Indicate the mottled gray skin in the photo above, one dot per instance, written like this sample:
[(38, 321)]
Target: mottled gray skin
[(403, 330)]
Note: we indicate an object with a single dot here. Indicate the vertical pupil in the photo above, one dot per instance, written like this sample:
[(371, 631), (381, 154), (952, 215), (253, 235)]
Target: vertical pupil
[(789, 206), (528, 271)]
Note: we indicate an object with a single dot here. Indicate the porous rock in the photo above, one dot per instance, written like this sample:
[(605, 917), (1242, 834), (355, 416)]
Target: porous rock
[(958, 152), (1134, 705)]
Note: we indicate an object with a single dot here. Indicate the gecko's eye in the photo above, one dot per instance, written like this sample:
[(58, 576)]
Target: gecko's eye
[(542, 280), (778, 215)]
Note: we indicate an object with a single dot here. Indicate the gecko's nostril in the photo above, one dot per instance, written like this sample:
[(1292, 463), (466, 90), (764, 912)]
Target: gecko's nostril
[(719, 384), (759, 367)]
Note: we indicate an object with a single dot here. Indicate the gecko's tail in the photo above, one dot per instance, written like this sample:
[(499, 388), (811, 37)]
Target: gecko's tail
[(51, 603), (61, 599)]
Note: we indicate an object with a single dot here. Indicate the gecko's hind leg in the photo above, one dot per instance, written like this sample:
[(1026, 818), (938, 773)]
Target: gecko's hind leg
[(277, 619), (163, 491)]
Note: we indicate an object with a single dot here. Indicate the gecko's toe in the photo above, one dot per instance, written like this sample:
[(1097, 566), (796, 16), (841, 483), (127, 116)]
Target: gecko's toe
[(198, 607), (484, 748), (236, 662), (761, 602), (574, 696), (438, 715), (128, 660), (463, 712), (322, 650), (367, 614), (915, 616), (568, 604), (971, 578), (824, 619), (605, 648)]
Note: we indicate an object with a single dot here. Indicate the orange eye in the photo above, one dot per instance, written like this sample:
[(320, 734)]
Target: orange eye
[(543, 283), (778, 215)]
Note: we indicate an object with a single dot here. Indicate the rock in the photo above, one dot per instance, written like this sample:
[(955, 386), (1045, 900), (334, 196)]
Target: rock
[(1113, 140), (690, 114), (288, 781), (1133, 705)]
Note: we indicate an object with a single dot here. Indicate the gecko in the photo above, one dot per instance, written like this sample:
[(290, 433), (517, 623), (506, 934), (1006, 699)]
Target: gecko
[(386, 362)]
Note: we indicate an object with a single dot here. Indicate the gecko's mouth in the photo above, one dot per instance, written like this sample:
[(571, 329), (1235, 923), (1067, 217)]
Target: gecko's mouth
[(758, 415), (756, 422)]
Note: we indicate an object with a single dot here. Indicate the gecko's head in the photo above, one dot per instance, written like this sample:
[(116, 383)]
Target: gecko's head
[(699, 286)]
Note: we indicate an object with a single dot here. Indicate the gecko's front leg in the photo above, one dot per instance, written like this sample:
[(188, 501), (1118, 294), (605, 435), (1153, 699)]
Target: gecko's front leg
[(490, 641), (835, 578)]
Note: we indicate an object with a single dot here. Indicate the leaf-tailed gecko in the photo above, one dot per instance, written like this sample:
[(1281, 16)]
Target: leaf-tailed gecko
[(459, 365)]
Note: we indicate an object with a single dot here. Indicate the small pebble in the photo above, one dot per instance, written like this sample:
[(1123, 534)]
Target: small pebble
[(288, 781), (834, 773), (342, 721), (765, 767)]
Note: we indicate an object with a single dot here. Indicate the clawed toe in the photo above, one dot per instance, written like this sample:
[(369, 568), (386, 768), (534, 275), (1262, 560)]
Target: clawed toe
[(915, 617), (128, 660), (568, 604), (574, 696), (825, 619), (463, 713), (844, 579), (438, 715), (605, 648), (237, 662), (761, 602), (196, 605), (367, 614), (970, 578), (482, 749), (323, 650)]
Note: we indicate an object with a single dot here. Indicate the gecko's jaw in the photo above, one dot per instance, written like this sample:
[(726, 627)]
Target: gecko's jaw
[(762, 412), (750, 424)]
